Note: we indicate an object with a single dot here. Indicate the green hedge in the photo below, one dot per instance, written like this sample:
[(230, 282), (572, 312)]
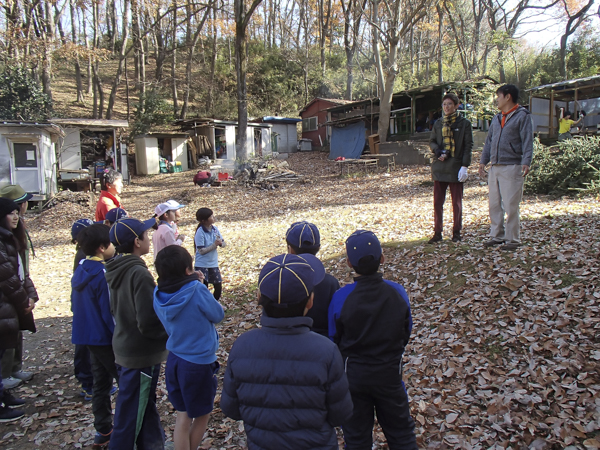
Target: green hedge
[(568, 168)]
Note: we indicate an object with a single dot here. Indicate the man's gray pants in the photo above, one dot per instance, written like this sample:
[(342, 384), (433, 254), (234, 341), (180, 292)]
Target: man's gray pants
[(505, 184)]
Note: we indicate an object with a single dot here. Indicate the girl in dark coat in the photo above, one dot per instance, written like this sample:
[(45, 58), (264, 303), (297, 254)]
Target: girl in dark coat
[(17, 295)]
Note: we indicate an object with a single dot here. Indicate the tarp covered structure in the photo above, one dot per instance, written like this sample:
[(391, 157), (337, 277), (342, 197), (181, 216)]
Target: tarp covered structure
[(348, 141)]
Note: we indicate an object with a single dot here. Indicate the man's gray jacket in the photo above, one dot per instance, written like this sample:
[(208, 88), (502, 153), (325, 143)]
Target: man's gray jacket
[(512, 144)]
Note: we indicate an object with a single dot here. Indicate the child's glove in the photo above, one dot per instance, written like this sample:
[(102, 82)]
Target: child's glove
[(463, 175)]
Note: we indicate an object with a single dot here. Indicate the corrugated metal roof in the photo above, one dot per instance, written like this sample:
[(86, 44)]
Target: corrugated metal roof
[(567, 84)]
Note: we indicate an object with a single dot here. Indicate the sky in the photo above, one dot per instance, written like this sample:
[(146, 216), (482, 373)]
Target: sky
[(545, 31)]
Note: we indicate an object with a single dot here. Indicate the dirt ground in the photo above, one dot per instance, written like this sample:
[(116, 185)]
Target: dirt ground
[(505, 348)]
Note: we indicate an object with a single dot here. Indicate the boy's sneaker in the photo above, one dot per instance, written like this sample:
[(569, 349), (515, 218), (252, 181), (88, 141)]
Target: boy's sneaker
[(11, 400), (101, 440), (86, 393), (456, 236), (10, 415), (11, 382), (23, 375)]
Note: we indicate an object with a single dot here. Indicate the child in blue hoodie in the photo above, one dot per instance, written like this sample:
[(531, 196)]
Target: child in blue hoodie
[(93, 324), (189, 312)]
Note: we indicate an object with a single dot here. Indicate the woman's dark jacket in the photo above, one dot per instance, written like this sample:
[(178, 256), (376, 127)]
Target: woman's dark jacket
[(447, 170), (14, 293)]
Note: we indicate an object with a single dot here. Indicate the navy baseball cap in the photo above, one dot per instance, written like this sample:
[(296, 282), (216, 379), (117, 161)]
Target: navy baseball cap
[(126, 230), (303, 235), (362, 243), (289, 279), (115, 214), (79, 225)]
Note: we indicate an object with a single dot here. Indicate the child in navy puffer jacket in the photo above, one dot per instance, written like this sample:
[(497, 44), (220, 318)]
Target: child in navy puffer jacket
[(284, 381)]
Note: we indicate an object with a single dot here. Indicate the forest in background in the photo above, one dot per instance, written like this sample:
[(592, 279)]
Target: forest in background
[(177, 58)]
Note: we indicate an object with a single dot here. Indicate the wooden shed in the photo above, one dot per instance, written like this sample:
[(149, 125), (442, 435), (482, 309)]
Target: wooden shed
[(149, 148), (28, 157), (92, 144)]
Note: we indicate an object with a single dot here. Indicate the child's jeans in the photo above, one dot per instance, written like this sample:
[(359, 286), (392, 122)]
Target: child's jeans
[(136, 419)]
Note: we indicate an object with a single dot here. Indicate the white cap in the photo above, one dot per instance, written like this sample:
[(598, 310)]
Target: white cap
[(171, 205), (174, 205)]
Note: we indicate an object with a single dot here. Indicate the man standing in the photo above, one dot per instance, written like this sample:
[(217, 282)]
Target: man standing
[(509, 149)]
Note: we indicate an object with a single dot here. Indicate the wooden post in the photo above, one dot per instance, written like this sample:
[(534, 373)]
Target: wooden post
[(551, 118)]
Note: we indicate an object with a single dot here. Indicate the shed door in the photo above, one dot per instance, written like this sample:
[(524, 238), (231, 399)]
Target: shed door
[(266, 141), (26, 157), (70, 152), (292, 138), (230, 139)]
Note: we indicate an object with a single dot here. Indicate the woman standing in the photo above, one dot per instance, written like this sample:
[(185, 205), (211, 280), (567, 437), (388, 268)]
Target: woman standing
[(111, 184), (17, 295), (452, 142)]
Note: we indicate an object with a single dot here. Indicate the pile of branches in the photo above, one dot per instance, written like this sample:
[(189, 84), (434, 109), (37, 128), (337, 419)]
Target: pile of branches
[(569, 168), (265, 175), (80, 198)]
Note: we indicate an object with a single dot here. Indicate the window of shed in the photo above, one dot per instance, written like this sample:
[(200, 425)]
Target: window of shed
[(310, 124), (25, 155)]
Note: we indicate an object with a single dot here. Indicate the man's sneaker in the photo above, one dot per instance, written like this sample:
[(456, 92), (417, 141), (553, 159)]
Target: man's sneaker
[(101, 440), (23, 375), (11, 382), (437, 237), (510, 246), (11, 400), (456, 236), (86, 393), (114, 390), (492, 242), (10, 415)]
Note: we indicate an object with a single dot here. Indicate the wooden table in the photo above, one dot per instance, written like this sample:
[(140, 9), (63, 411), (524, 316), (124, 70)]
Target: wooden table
[(391, 160), (364, 164)]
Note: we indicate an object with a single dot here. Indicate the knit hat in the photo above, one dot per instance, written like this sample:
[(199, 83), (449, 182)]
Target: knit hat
[(126, 230), (6, 207), (362, 243), (15, 193), (115, 214), (289, 279), (303, 235), (79, 225)]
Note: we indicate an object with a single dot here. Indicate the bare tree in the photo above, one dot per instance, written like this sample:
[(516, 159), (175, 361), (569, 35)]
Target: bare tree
[(397, 19), (574, 20), (242, 15), (353, 12)]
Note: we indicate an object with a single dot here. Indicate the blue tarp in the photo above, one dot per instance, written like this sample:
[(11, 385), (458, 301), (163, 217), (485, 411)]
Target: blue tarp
[(348, 142)]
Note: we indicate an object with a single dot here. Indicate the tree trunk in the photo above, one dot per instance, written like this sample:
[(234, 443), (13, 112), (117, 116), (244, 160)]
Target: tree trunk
[(122, 61), (74, 38), (242, 17), (440, 61), (174, 63), (385, 103), (213, 64)]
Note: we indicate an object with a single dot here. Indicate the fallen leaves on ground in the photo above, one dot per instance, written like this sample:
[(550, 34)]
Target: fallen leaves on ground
[(506, 345)]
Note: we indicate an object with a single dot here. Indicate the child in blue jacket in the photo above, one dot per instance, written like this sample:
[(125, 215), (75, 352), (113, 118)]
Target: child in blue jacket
[(189, 313), (370, 321), (93, 324)]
